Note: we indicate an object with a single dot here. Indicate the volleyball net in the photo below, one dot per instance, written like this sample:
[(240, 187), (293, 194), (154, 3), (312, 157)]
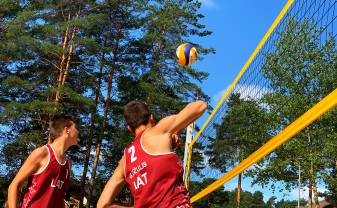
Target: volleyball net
[(280, 107)]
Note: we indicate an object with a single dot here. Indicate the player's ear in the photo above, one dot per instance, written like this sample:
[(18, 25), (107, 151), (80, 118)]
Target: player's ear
[(66, 130), (130, 129), (151, 119)]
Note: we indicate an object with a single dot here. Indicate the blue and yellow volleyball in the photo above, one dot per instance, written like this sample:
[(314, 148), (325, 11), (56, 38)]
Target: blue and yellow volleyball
[(186, 54)]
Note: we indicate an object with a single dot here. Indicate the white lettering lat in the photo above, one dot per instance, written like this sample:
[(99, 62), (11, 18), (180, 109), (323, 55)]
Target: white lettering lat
[(139, 181), (57, 184)]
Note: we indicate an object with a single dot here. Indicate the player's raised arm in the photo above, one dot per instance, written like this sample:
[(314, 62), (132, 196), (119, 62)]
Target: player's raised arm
[(187, 115)]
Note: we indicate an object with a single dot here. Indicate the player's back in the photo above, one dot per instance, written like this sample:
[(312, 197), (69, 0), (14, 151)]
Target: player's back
[(155, 179)]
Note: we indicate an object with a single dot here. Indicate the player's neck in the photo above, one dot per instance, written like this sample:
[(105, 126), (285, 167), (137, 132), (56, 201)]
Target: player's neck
[(142, 128), (60, 147)]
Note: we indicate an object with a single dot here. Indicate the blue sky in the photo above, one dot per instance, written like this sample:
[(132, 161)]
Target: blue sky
[(238, 26)]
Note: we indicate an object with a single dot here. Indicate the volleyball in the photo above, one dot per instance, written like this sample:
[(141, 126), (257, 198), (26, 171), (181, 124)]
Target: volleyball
[(186, 54)]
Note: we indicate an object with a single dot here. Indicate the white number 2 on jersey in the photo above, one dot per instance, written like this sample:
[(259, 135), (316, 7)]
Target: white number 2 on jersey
[(132, 151)]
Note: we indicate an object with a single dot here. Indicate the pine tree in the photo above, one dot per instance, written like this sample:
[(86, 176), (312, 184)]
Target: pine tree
[(302, 71), (65, 57), (242, 131)]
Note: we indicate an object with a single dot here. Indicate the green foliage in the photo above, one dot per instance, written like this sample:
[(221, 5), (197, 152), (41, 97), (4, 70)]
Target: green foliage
[(243, 130), (133, 42), (289, 204), (16, 152), (4, 182), (302, 70), (215, 199), (222, 198)]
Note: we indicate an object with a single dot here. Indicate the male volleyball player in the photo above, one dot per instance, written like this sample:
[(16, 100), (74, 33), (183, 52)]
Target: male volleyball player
[(47, 169), (153, 172)]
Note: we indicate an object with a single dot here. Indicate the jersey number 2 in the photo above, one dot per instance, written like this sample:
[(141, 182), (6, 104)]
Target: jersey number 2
[(132, 151)]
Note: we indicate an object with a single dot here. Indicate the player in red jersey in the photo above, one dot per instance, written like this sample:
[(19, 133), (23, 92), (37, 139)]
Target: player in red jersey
[(153, 172), (47, 169)]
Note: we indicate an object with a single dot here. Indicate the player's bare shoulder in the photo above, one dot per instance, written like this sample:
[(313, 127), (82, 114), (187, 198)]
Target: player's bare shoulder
[(156, 140), (39, 156), (40, 152)]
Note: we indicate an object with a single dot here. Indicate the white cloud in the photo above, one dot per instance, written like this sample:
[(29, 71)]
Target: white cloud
[(304, 193), (232, 184), (208, 3), (217, 97), (246, 91)]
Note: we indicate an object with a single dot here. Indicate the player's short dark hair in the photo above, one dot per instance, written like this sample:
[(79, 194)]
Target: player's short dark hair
[(58, 123), (136, 113)]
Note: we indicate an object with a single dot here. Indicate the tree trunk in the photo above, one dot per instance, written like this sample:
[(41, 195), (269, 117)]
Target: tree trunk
[(310, 196), (310, 174), (63, 57), (105, 116), (60, 72), (71, 50), (99, 140), (311, 184), (64, 46), (91, 132), (314, 187), (238, 196)]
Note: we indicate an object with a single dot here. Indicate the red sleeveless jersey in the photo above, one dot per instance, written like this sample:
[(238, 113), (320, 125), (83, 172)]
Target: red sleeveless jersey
[(155, 180), (46, 188)]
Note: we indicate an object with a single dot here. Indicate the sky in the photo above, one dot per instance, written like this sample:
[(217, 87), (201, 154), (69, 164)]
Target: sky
[(238, 26)]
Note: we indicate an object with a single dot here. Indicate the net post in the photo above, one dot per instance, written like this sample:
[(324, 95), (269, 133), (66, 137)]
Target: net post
[(189, 137)]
